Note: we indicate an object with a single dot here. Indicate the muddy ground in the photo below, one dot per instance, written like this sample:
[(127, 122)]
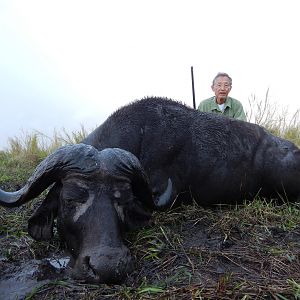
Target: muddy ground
[(246, 252)]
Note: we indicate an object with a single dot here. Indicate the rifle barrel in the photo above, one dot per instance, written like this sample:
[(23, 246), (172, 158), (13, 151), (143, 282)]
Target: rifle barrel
[(193, 88)]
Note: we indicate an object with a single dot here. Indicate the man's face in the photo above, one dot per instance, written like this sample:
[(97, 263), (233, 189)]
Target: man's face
[(221, 88)]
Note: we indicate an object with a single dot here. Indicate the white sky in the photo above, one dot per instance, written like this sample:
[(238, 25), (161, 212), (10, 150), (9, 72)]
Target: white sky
[(67, 63)]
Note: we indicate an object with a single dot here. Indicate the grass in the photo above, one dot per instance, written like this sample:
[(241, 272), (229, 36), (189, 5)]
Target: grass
[(239, 252), (249, 251), (275, 118)]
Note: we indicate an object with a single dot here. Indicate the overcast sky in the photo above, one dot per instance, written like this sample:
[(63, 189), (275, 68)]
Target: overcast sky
[(67, 63)]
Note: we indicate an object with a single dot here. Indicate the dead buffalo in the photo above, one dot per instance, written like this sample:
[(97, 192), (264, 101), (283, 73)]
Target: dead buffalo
[(170, 152)]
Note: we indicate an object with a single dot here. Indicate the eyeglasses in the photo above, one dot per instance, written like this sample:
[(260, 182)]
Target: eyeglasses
[(219, 86)]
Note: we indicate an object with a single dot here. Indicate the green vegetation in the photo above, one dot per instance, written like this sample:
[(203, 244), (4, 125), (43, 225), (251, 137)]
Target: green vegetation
[(249, 251)]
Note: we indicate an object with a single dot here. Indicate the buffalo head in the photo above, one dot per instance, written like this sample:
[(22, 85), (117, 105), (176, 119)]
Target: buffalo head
[(95, 195)]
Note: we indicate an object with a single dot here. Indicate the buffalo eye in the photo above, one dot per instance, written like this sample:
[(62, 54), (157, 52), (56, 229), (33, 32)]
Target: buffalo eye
[(122, 194), (117, 194), (72, 193)]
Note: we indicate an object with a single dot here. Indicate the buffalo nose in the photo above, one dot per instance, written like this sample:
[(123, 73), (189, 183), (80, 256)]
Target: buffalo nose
[(109, 265)]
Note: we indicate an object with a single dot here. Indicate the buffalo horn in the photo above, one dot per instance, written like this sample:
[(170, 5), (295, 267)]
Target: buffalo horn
[(164, 199), (51, 169)]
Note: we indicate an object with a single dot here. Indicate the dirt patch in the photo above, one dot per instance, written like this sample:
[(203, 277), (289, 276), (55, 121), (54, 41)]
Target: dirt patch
[(188, 253)]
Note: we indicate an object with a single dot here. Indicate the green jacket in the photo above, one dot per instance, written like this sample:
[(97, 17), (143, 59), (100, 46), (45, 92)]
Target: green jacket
[(233, 108)]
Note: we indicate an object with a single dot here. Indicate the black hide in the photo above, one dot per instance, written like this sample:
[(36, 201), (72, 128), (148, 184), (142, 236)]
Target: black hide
[(211, 158)]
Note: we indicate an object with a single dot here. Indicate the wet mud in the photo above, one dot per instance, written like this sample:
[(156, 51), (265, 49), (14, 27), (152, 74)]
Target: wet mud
[(19, 279), (208, 252)]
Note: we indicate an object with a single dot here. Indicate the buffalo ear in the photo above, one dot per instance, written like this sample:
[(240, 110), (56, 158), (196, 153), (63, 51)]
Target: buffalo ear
[(40, 225), (138, 213), (141, 188), (135, 216)]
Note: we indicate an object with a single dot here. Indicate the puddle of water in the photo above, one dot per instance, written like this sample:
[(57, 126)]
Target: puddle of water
[(59, 263), (18, 280)]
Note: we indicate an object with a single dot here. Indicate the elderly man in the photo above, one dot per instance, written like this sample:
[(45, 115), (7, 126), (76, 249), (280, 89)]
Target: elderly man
[(221, 103)]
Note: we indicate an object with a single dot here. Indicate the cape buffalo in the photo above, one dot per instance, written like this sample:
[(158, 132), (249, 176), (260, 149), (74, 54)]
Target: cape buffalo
[(170, 152)]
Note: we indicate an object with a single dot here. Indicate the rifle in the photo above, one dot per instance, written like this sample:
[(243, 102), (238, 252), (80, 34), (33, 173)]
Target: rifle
[(193, 88)]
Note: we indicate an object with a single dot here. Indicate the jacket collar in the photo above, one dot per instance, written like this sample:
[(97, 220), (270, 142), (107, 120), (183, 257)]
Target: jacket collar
[(227, 103)]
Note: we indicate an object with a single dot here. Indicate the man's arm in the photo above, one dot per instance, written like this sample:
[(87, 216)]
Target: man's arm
[(201, 106), (240, 114)]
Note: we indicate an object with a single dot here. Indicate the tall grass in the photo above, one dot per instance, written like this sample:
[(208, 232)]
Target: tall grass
[(275, 118), (35, 146)]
